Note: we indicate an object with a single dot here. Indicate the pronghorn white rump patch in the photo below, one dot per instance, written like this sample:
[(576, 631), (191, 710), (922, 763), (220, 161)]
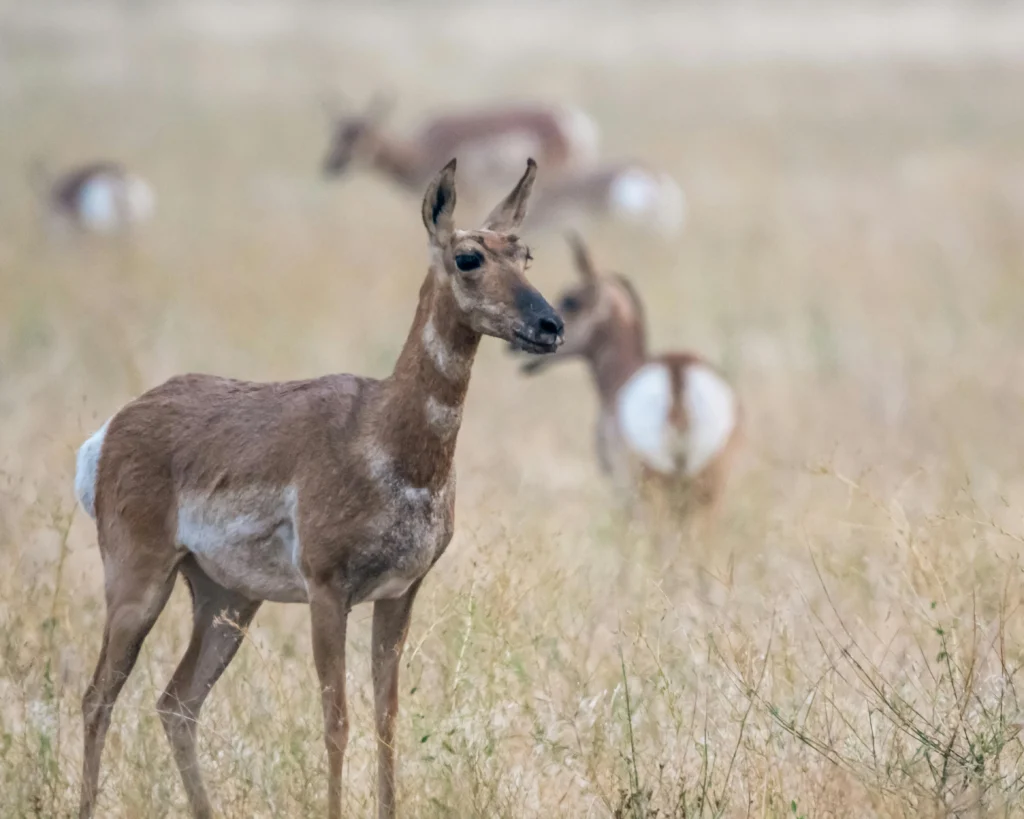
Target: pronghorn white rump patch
[(98, 207), (140, 199), (644, 403), (448, 363), (640, 195), (672, 210), (582, 133), (110, 202), (246, 540), (87, 464), (709, 407)]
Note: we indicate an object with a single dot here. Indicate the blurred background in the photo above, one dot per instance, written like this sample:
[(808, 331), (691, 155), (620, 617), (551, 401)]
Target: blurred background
[(846, 641)]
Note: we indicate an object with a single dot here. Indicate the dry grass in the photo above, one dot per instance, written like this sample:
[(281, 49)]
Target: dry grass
[(849, 640)]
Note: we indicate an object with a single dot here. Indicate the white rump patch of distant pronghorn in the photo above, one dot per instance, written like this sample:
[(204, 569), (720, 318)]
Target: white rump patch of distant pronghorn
[(639, 195), (110, 202), (644, 403), (709, 406), (582, 133), (98, 208)]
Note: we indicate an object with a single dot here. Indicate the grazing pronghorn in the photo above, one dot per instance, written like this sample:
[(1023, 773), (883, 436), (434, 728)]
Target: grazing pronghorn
[(334, 491), (628, 191), (100, 197), (668, 423), (490, 144)]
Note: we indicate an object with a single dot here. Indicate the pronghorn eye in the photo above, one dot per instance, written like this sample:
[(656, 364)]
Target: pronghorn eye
[(570, 304), (468, 261)]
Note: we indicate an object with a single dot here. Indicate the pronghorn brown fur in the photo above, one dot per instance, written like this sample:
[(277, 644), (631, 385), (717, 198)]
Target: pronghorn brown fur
[(332, 492), (491, 144), (668, 423)]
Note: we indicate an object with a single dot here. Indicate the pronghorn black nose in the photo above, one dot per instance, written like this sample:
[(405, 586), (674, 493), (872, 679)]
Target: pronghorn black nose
[(541, 324), (551, 325)]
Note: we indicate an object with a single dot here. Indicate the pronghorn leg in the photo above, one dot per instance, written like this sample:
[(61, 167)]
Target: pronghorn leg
[(390, 627), (136, 594), (219, 618), (329, 616)]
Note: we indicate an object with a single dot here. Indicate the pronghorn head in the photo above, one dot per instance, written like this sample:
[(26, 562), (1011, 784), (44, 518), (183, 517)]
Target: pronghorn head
[(485, 269), (601, 310), (356, 138)]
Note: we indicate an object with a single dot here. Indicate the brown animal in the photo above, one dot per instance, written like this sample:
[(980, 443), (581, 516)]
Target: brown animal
[(99, 197), (668, 423), (490, 144), (625, 191), (333, 492)]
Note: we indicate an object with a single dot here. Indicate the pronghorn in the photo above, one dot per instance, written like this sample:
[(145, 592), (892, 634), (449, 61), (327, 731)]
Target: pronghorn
[(333, 492), (100, 197), (667, 423), (490, 144), (628, 191)]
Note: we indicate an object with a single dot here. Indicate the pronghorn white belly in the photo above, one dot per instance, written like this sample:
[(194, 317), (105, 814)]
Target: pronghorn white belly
[(644, 408), (246, 540)]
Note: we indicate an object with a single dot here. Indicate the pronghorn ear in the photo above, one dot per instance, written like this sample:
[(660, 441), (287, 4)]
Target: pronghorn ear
[(580, 254), (439, 205), (509, 215)]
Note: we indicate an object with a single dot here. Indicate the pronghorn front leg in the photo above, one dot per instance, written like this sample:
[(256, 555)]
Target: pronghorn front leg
[(390, 627), (329, 617)]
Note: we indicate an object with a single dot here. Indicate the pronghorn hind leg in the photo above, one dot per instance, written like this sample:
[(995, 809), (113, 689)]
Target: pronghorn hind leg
[(135, 598), (219, 617)]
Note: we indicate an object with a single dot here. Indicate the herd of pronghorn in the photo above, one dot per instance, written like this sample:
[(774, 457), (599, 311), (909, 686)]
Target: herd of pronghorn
[(340, 490)]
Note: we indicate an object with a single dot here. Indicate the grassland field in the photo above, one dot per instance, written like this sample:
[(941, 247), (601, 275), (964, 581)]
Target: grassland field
[(846, 642)]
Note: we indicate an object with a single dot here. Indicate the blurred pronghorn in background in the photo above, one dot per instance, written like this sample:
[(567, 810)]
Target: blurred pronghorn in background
[(492, 143), (96, 197), (668, 423)]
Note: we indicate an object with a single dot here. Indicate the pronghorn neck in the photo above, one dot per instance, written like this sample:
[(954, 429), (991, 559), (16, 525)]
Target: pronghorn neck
[(426, 392), (400, 162), (621, 353)]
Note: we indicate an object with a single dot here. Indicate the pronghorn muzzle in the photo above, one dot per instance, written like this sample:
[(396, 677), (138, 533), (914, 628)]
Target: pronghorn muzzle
[(539, 329)]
